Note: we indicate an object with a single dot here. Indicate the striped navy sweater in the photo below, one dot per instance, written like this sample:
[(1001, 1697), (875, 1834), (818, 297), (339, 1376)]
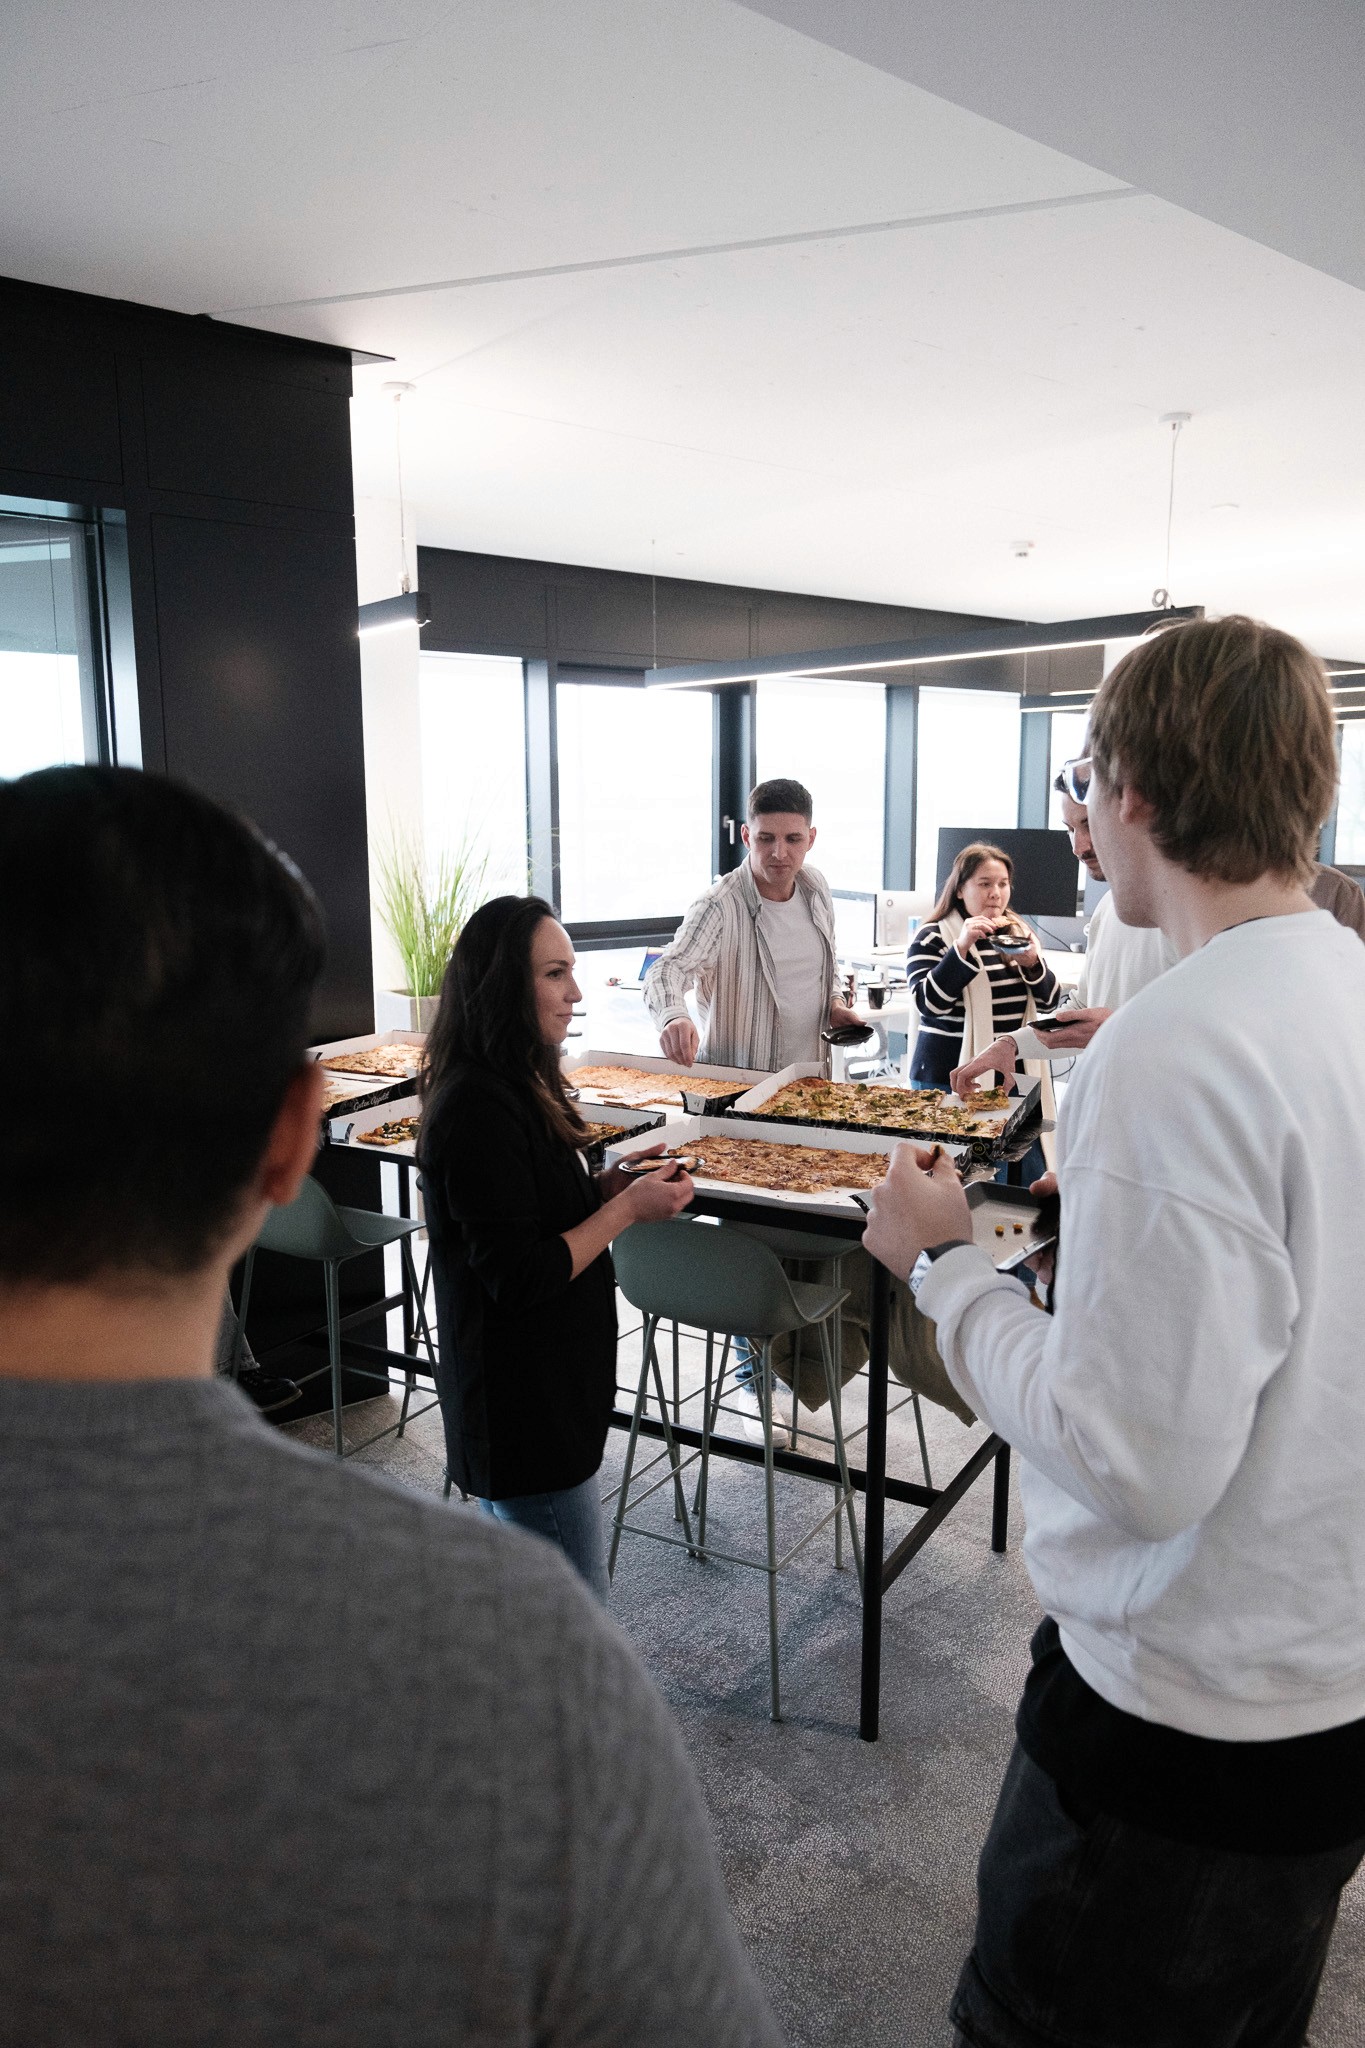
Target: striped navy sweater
[(938, 979)]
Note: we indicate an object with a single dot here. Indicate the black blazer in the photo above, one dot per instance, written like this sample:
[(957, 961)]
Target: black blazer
[(527, 1377)]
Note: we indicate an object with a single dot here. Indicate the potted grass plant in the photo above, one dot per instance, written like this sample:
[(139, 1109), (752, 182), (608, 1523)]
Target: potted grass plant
[(424, 906)]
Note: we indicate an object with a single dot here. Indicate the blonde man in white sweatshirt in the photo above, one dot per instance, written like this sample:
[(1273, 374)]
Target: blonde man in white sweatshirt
[(1187, 1794)]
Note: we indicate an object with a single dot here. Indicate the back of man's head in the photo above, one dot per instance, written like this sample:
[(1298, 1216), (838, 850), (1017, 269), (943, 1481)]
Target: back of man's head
[(1225, 727), (782, 795), (159, 959)]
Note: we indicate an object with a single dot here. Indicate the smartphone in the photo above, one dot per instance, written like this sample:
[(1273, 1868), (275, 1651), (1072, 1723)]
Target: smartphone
[(1045, 1024)]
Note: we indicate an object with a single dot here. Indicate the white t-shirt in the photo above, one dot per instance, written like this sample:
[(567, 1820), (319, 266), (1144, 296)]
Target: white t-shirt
[(1119, 960), (798, 956), (1192, 1418)]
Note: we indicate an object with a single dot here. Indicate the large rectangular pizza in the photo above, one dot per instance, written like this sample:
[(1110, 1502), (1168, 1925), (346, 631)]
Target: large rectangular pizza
[(391, 1062), (883, 1108), (791, 1169)]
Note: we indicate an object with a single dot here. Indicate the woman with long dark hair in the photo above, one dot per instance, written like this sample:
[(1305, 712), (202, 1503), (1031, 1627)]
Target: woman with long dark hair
[(975, 973), (525, 1294)]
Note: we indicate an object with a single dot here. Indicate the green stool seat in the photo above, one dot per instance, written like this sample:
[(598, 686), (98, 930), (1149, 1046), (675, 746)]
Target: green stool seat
[(723, 1282), (313, 1227)]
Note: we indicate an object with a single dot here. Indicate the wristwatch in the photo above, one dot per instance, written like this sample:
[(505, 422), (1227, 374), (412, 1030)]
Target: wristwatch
[(919, 1272)]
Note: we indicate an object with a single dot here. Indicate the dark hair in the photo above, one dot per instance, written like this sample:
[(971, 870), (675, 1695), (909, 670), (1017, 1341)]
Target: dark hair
[(487, 1016), (963, 868), (1226, 727), (781, 794), (157, 962)]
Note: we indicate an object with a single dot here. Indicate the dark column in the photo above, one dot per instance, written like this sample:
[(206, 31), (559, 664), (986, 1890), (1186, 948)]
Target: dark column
[(733, 771), (898, 828)]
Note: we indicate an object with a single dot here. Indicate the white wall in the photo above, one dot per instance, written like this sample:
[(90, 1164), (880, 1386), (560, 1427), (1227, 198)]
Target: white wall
[(389, 694)]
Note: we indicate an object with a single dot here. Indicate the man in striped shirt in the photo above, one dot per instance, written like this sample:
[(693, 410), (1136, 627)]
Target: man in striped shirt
[(758, 950)]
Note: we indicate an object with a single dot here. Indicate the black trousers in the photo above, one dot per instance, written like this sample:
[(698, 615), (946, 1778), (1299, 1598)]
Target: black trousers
[(1093, 1933)]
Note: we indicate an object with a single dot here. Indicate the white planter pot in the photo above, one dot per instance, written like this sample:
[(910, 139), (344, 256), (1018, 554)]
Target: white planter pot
[(394, 1011)]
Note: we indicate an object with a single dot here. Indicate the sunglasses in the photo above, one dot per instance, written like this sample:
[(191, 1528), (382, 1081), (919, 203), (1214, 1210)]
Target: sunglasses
[(1076, 779)]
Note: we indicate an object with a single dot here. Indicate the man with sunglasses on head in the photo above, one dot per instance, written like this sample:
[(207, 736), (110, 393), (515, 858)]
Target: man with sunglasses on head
[(1119, 958), (1186, 1797)]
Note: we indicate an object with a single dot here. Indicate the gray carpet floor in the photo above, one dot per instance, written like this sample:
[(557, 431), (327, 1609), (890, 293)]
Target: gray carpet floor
[(850, 1865)]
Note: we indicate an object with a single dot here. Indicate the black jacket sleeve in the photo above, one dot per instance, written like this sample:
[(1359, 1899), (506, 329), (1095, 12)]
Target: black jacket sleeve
[(485, 1153)]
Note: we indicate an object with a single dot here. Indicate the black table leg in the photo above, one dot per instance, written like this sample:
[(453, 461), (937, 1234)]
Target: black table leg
[(1000, 1506), (874, 1516), (405, 1209)]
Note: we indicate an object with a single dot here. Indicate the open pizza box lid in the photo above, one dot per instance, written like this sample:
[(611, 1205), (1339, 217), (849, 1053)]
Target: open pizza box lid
[(345, 1126), (361, 1091), (742, 1078), (1000, 1122), (832, 1202)]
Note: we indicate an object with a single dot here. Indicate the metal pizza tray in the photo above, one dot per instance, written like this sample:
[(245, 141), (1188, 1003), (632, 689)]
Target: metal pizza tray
[(1005, 1223), (635, 1121), (751, 1108)]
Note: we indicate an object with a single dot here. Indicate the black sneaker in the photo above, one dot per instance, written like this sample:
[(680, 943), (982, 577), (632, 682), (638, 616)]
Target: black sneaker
[(267, 1389)]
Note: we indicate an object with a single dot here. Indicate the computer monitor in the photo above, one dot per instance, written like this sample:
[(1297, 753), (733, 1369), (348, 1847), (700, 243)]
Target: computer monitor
[(854, 923), (1046, 880), (895, 908)]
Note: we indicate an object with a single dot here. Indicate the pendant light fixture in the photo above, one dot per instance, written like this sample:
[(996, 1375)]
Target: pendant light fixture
[(1161, 596), (410, 607)]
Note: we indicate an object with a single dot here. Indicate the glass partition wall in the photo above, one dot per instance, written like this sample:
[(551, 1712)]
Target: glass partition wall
[(635, 800), (966, 768), (56, 699), (639, 777), (473, 739)]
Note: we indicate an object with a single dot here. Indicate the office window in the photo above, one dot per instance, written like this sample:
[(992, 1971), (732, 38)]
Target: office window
[(967, 768), (1350, 846), (832, 737), (1068, 739), (49, 701), (473, 727), (634, 800)]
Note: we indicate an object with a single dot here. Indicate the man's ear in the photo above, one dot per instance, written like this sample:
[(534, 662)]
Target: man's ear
[(1134, 808), (293, 1143), (811, 841), (744, 834)]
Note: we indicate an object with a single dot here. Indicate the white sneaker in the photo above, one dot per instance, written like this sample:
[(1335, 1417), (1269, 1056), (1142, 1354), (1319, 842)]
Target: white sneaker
[(744, 1402)]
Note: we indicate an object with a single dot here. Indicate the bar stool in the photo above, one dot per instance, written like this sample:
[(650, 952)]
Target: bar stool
[(801, 1244), (724, 1283), (313, 1227)]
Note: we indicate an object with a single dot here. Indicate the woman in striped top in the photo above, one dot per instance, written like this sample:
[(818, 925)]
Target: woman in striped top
[(968, 993)]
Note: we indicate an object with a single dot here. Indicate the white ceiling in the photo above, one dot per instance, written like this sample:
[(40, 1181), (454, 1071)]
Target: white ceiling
[(837, 404)]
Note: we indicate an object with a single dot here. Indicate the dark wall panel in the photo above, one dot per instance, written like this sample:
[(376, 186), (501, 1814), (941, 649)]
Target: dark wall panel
[(229, 452), (261, 703), (569, 613), (229, 436), (59, 411)]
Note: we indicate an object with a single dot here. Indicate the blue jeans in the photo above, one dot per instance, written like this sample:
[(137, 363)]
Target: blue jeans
[(1091, 1930), (572, 1519)]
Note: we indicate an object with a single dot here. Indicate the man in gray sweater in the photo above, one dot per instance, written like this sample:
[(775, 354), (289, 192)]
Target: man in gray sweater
[(288, 1754)]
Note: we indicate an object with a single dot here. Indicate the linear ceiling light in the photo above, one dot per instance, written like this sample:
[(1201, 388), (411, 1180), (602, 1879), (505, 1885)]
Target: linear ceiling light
[(409, 608), (977, 645)]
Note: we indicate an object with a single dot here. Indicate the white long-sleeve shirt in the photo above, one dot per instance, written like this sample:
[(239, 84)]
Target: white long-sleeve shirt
[(1192, 1417), (1119, 960)]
